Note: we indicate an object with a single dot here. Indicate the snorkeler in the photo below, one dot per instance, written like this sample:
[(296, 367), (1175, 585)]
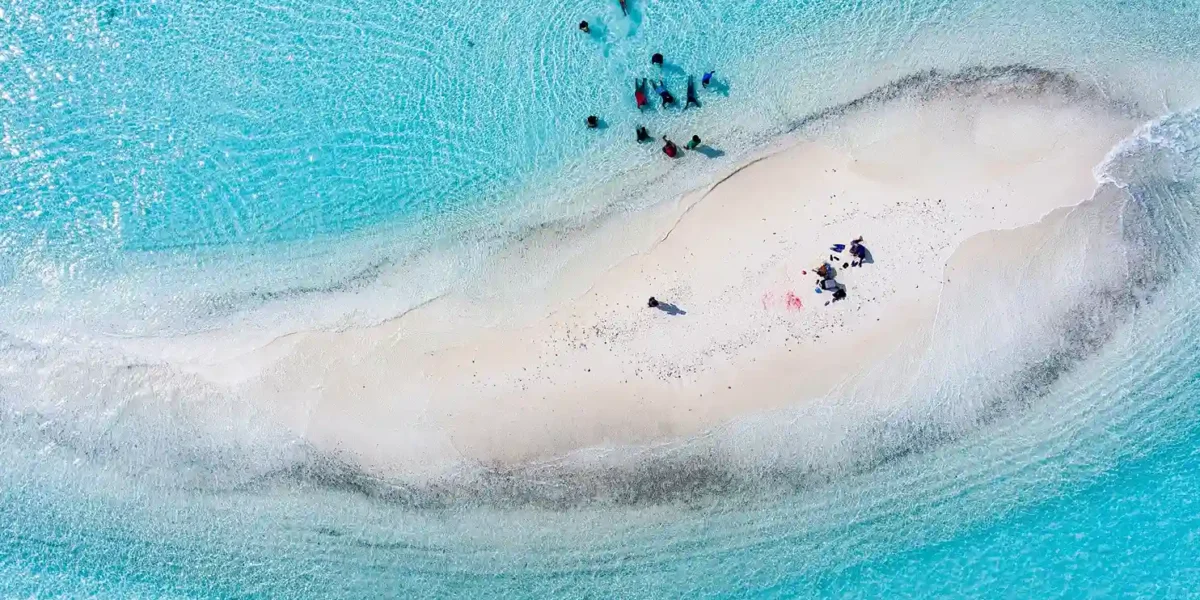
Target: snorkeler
[(639, 93), (643, 135), (665, 94), (707, 78), (691, 94), (669, 148)]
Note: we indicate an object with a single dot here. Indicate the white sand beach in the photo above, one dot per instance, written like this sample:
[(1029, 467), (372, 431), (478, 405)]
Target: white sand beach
[(584, 362)]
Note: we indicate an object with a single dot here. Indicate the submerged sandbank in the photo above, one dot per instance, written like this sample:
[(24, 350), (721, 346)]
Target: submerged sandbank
[(916, 174)]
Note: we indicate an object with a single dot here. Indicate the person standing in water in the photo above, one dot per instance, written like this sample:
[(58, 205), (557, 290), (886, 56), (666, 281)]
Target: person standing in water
[(665, 94), (669, 148), (691, 94), (593, 122), (643, 135), (639, 93), (694, 143), (657, 59), (583, 26), (707, 78)]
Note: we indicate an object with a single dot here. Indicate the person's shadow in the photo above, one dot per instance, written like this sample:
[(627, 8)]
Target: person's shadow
[(671, 309), (719, 86), (867, 258), (710, 152)]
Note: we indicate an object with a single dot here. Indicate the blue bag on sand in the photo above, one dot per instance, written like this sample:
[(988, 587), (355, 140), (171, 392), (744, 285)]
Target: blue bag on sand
[(837, 247)]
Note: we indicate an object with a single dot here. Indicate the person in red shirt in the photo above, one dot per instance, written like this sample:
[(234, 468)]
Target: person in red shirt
[(639, 93), (669, 148)]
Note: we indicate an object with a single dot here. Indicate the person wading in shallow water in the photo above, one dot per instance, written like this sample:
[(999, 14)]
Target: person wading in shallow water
[(669, 148)]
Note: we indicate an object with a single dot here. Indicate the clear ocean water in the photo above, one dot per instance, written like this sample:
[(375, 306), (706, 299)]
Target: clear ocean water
[(174, 167)]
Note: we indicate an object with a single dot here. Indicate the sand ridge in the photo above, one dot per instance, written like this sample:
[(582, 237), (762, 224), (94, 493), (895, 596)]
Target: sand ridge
[(916, 177)]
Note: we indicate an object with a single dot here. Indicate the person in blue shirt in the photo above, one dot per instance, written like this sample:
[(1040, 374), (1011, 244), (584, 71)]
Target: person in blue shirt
[(665, 94), (704, 81)]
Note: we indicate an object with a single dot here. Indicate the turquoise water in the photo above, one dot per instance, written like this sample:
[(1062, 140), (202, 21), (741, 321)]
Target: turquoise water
[(171, 167)]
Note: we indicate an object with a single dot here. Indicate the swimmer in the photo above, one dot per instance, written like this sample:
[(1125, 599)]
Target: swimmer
[(639, 93), (657, 59), (643, 135), (665, 94), (691, 94), (707, 78), (593, 122), (583, 26), (669, 148), (695, 143)]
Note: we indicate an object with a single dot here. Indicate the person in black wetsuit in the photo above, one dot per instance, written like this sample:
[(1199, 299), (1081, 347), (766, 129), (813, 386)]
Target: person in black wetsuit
[(583, 26), (691, 94), (643, 136)]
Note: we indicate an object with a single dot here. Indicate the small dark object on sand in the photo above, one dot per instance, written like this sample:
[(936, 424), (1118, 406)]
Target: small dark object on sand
[(652, 303)]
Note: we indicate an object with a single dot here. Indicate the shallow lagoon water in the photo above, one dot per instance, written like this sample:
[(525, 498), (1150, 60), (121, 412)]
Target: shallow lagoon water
[(173, 167)]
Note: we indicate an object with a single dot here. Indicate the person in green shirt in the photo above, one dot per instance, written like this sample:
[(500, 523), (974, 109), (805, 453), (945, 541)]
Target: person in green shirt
[(695, 143)]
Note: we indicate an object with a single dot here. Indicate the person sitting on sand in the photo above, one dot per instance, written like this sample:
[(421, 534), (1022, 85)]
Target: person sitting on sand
[(583, 26), (669, 148), (707, 78), (639, 93), (691, 94), (857, 250), (643, 135), (694, 143), (593, 122), (665, 94), (657, 59)]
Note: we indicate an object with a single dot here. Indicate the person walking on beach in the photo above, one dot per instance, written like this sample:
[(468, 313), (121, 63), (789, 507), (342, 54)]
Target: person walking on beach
[(691, 94), (669, 148), (707, 78), (639, 93), (665, 94), (583, 26), (643, 135), (695, 143), (656, 59)]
